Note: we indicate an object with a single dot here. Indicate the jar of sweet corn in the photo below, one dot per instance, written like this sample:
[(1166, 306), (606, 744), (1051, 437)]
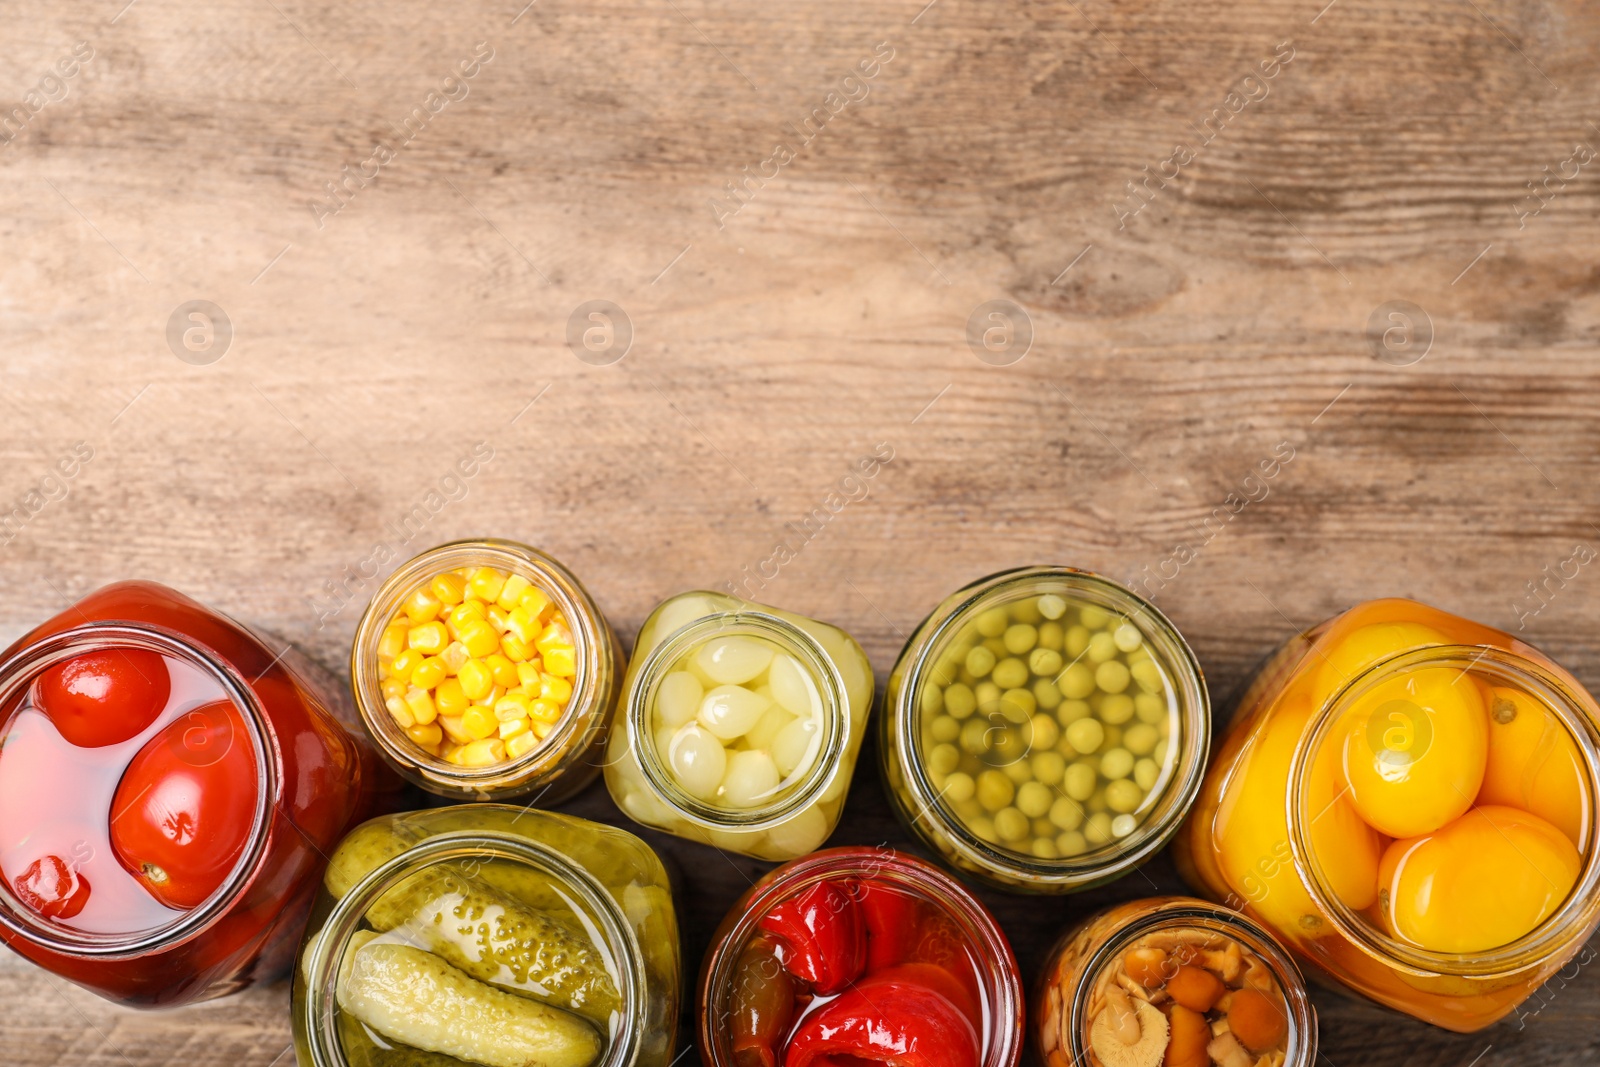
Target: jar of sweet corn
[(1407, 799), (483, 669), (739, 725), (1172, 981), (1045, 729)]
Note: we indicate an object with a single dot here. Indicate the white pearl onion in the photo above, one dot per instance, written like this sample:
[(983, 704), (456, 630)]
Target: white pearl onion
[(801, 834), (750, 778), (733, 660), (729, 711), (678, 699), (773, 720), (793, 748), (698, 760), (792, 686)]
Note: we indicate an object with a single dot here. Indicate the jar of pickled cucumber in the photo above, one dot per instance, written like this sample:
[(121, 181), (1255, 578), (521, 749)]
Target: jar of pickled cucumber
[(493, 935), (1172, 981), (1045, 729), (484, 670), (1408, 800), (739, 725)]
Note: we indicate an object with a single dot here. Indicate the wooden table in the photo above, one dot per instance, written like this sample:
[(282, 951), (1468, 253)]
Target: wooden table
[(1215, 228)]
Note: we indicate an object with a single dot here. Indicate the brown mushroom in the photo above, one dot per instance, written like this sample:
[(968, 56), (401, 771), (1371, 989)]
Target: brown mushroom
[(1108, 1034)]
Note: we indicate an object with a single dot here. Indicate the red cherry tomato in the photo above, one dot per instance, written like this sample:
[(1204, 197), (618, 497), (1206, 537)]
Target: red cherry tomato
[(105, 697), (52, 888), (184, 808)]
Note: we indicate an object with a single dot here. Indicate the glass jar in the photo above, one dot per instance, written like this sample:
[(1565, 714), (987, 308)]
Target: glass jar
[(1393, 748), (757, 716), (505, 718), (202, 723), (534, 937), (1164, 980), (1044, 729), (856, 947)]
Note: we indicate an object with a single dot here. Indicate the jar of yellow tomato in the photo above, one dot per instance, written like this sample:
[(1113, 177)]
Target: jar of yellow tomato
[(1407, 799)]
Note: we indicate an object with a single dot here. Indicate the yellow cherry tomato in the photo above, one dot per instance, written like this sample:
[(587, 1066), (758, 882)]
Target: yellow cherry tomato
[(1534, 764), (1415, 748), (1483, 881), (1364, 646), (1347, 849)]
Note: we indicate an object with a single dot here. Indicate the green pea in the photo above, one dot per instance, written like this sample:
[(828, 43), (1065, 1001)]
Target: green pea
[(1071, 711), (932, 699), (975, 736), (1052, 607), (1097, 830), (1026, 610), (1051, 636), (1085, 735), (968, 809), (959, 787), (1044, 828), (1093, 617), (959, 701), (1160, 754), (1076, 641), (1077, 681), (980, 661), (1072, 843), (1045, 732), (1046, 694), (1102, 649), (944, 758), (1096, 802), (1149, 707), (1145, 772), (1048, 767), (1020, 638), (1079, 781), (1011, 824), (1066, 813), (995, 790), (1045, 662), (1127, 637), (1033, 799), (1112, 677), (1044, 848), (992, 623), (984, 829), (1116, 763), (1113, 737), (1123, 825), (1140, 739), (1010, 673), (944, 728), (1007, 745), (987, 695), (1019, 771), (1018, 705), (1148, 675), (1116, 708)]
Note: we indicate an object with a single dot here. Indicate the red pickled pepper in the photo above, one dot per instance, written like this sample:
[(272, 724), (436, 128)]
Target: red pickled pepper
[(885, 1018), (819, 936)]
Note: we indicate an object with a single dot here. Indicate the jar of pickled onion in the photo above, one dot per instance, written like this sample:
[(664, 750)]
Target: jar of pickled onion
[(739, 725), (858, 955), (1407, 799)]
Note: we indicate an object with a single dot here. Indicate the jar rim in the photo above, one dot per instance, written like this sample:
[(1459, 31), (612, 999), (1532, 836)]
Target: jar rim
[(750, 619), (587, 707), (1107, 862), (24, 666), (1192, 913), (1002, 1044), (319, 1007), (1566, 925)]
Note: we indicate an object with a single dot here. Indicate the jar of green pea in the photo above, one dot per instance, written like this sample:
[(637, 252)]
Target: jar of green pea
[(1045, 729)]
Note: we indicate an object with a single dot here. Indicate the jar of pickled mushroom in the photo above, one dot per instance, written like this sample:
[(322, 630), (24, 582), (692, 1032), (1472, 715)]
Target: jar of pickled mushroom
[(489, 934), (483, 669), (170, 783), (1045, 729), (747, 720), (1173, 982), (858, 956), (1407, 799)]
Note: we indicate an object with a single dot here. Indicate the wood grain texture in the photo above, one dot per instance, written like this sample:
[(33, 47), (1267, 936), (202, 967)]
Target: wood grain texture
[(1388, 160)]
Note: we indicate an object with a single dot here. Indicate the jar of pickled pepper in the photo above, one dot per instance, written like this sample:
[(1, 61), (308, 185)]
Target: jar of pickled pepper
[(1044, 729), (489, 934), (1407, 799), (739, 725), (483, 669)]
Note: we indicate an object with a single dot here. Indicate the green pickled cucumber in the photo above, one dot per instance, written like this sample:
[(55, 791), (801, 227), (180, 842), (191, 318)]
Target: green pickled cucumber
[(491, 935), (418, 999)]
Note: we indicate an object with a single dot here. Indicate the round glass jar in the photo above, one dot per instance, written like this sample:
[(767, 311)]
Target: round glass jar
[(296, 774), (903, 956), (533, 934), (757, 716), (1045, 729), (1393, 749), (440, 745), (1172, 980)]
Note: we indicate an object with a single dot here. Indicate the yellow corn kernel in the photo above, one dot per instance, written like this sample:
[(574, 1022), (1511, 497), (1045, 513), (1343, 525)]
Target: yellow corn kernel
[(512, 591), (524, 624), (400, 711), (515, 648), (512, 706), (486, 583), (553, 636), (450, 698), (422, 605), (454, 655), (427, 735), (556, 689), (430, 637), (521, 745), (541, 730), (499, 618), (559, 619), (481, 753), (505, 672), (491, 698), (537, 603), (423, 709), (392, 687), (479, 722), (528, 674), (480, 638), (512, 728), (402, 665), (450, 588), (429, 673), (476, 679), (454, 728), (561, 661), (462, 614), (393, 641), (543, 710)]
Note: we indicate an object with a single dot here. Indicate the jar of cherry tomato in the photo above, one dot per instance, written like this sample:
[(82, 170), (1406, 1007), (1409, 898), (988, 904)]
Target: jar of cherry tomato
[(1407, 799), (1174, 981), (858, 955), (740, 725), (170, 784), (484, 670), (1045, 729), (489, 934)]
